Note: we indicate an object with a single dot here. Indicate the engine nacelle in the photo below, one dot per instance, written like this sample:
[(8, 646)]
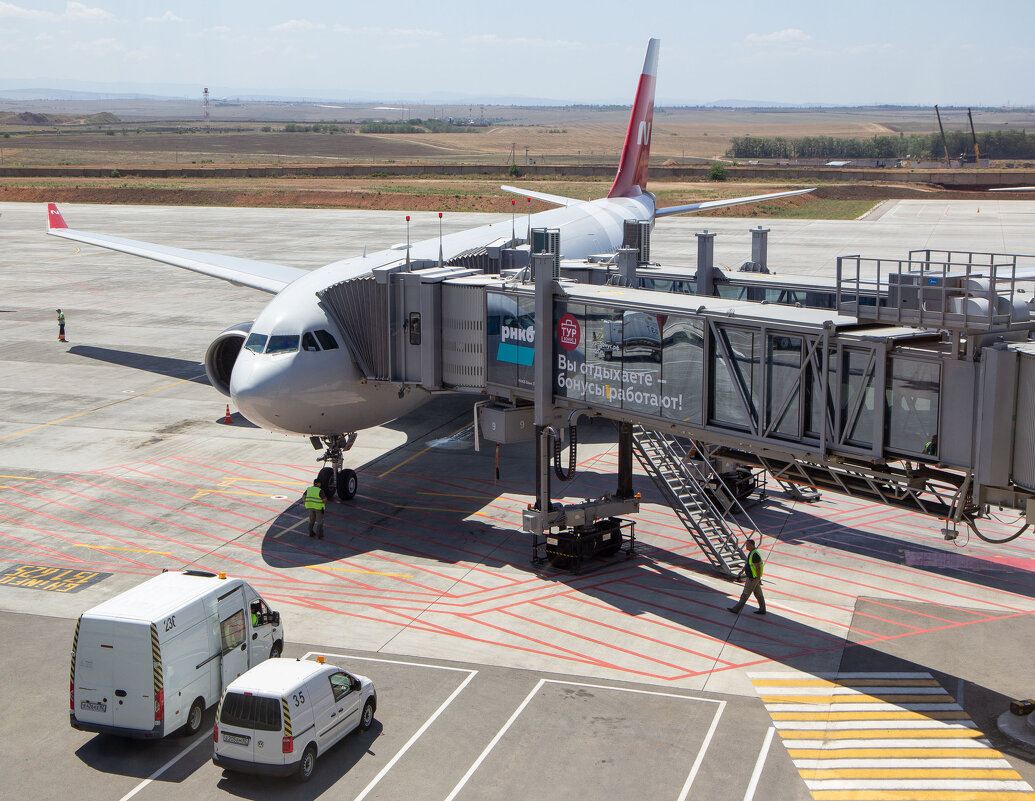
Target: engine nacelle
[(222, 353)]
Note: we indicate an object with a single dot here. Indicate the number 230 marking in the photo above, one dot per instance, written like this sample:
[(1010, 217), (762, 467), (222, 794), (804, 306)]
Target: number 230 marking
[(170, 623)]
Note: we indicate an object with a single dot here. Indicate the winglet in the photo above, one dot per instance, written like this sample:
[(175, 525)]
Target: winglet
[(631, 179), (54, 218)]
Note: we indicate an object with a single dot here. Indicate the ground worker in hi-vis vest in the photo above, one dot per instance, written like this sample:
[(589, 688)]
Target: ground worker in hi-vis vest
[(61, 326), (315, 502), (753, 580)]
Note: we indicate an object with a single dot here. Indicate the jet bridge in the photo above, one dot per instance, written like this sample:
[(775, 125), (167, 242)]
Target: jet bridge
[(926, 402)]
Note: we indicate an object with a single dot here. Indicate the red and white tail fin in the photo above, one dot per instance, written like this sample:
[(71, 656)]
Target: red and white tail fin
[(54, 218), (632, 171)]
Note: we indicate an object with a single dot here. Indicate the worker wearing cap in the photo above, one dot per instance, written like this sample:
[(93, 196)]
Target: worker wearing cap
[(61, 326), (753, 582), (315, 502)]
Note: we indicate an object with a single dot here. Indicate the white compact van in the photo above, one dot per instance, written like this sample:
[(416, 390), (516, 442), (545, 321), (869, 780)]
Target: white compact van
[(279, 717), (152, 660)]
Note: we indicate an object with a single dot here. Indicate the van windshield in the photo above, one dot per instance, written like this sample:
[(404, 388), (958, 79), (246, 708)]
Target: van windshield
[(250, 712)]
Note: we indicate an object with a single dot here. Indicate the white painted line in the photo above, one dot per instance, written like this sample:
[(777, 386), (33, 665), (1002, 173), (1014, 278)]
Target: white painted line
[(929, 743), (165, 767), (783, 674), (704, 747), (828, 692), (756, 774), (387, 661), (883, 763), (848, 725), (869, 706), (539, 685), (957, 785), (496, 739), (416, 736)]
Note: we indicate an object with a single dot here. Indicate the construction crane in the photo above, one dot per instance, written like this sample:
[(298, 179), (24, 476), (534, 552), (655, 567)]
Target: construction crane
[(945, 144), (973, 136)]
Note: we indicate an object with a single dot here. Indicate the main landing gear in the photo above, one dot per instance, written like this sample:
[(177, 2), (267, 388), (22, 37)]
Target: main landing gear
[(334, 478)]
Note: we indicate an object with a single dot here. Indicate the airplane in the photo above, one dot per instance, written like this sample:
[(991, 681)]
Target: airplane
[(291, 370)]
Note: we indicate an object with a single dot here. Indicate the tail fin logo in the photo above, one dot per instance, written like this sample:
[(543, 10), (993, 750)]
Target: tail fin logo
[(643, 134)]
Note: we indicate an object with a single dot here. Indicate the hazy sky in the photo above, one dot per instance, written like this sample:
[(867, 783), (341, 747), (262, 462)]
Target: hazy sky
[(792, 51)]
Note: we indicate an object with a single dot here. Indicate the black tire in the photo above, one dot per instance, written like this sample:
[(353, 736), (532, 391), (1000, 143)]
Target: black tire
[(276, 650), (195, 716), (307, 764), (326, 478), (367, 719), (348, 483)]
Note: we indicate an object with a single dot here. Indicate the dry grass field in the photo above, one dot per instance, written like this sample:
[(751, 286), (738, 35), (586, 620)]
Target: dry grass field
[(153, 134)]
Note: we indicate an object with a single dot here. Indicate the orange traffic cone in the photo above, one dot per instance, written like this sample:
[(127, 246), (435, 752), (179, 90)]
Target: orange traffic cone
[(228, 420)]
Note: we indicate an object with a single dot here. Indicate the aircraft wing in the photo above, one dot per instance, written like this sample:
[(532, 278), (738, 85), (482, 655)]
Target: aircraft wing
[(559, 200), (733, 201), (244, 272)]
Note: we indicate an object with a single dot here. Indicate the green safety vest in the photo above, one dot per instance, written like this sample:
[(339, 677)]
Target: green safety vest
[(312, 498), (61, 319), (753, 567)]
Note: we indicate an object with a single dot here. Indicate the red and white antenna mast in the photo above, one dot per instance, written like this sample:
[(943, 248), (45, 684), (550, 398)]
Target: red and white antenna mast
[(204, 105)]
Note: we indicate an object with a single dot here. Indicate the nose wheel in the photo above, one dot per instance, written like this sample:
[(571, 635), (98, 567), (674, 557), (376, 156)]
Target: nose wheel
[(333, 476)]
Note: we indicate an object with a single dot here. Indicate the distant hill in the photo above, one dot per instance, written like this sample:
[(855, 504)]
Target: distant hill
[(35, 118)]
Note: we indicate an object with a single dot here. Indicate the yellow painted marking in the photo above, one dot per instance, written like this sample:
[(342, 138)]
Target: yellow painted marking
[(99, 408), (922, 795), (231, 480), (847, 683), (356, 570), (420, 453), (882, 734), (888, 753), (202, 493), (911, 773), (113, 548), (858, 699), (902, 714), (26, 478)]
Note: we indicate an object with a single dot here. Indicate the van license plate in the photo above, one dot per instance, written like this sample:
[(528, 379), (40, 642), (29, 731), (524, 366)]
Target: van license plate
[(236, 739), (93, 706)]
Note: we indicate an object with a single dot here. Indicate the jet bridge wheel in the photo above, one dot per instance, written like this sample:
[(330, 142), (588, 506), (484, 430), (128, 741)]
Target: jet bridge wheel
[(348, 483)]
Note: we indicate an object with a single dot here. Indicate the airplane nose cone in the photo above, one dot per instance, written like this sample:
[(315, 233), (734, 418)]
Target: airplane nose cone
[(256, 385)]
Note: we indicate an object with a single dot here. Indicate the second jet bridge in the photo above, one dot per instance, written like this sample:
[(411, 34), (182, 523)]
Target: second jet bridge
[(935, 420)]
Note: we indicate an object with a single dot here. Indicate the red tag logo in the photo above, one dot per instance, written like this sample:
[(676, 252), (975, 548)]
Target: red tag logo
[(568, 332)]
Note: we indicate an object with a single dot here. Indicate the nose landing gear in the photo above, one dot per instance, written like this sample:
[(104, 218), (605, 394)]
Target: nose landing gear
[(334, 477)]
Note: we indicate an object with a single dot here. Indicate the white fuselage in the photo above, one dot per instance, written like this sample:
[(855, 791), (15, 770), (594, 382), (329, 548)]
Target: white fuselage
[(322, 392)]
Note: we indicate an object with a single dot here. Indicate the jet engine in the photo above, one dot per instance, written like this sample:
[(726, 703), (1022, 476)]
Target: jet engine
[(222, 353)]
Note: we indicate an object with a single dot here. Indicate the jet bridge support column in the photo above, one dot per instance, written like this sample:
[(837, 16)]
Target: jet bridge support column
[(705, 263), (625, 460), (542, 266), (760, 249)]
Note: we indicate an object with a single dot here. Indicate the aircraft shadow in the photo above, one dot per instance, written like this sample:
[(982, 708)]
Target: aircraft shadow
[(161, 365)]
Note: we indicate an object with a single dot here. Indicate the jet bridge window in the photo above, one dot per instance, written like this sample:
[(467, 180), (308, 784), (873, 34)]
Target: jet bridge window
[(256, 343), (327, 342), (282, 343), (912, 405), (309, 342)]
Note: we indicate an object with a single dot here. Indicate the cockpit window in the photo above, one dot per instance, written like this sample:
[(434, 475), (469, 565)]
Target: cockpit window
[(309, 342), (256, 343), (327, 342), (282, 343)]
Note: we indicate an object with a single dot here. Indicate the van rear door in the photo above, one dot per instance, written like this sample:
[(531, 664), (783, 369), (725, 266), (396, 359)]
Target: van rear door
[(115, 674), (93, 693), (245, 721)]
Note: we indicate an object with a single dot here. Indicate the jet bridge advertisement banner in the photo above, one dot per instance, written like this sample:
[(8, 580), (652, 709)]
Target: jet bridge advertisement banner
[(648, 363)]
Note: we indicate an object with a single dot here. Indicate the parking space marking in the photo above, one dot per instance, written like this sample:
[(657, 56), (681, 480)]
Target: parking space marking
[(528, 698), (357, 570), (417, 734), (756, 774), (202, 738), (113, 548)]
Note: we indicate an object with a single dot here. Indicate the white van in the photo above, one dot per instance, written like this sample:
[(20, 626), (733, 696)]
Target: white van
[(152, 660), (278, 717)]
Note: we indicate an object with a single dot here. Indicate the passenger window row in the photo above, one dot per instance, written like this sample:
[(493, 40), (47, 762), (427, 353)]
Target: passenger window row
[(288, 343)]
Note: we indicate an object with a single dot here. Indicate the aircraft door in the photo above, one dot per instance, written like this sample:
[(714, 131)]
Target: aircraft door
[(233, 630)]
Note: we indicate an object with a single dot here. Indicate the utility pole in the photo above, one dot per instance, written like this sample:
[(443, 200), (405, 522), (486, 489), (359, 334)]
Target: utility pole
[(973, 136), (945, 145)]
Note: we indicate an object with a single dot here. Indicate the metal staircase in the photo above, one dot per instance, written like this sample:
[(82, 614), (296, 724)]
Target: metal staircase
[(693, 489)]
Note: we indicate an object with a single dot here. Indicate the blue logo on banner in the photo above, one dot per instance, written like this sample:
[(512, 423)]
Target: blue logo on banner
[(515, 354)]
